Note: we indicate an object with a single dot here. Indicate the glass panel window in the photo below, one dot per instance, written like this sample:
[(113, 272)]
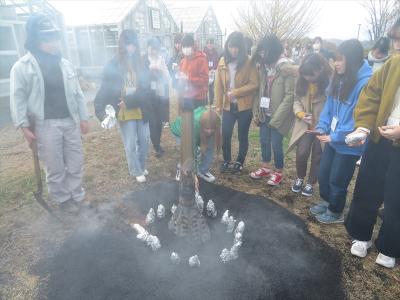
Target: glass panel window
[(7, 42), (6, 63)]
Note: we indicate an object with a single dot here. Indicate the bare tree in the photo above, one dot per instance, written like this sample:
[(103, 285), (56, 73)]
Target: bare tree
[(381, 13), (287, 19)]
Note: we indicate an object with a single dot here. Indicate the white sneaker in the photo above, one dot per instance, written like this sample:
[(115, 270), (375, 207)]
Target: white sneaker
[(146, 173), (207, 176), (141, 179), (360, 248), (386, 261)]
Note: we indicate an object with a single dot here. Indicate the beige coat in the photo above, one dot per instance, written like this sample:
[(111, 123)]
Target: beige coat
[(301, 104), (246, 85)]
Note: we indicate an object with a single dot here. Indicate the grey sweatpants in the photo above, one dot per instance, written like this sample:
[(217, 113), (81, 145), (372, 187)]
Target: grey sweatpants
[(60, 150)]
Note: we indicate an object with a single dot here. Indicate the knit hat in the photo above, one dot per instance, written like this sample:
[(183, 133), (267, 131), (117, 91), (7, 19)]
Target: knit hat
[(40, 28)]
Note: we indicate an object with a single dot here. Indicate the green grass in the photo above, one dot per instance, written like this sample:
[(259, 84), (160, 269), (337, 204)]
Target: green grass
[(17, 191)]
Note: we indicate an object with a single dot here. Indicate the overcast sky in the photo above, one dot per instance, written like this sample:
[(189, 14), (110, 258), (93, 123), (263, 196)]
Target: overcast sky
[(337, 18)]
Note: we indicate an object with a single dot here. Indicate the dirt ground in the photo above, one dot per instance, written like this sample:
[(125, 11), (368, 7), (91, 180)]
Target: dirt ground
[(24, 236)]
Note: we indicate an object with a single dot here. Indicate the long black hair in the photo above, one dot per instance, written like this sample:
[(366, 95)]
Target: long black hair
[(235, 39), (343, 84), (129, 37), (313, 64), (272, 47)]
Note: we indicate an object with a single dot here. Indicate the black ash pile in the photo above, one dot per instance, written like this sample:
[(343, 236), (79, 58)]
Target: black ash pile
[(277, 259)]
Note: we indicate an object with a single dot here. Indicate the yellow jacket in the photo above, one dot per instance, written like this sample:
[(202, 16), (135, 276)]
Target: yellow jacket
[(376, 100), (246, 85)]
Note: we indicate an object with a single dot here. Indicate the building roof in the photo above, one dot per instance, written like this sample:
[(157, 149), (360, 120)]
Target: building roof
[(80, 13), (191, 17)]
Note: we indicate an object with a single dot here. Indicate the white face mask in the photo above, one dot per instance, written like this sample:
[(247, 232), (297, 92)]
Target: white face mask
[(317, 46), (187, 51)]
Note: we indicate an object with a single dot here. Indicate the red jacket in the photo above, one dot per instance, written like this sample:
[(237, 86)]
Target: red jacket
[(196, 69)]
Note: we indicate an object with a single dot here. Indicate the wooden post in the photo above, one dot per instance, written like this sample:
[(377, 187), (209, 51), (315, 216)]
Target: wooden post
[(187, 220)]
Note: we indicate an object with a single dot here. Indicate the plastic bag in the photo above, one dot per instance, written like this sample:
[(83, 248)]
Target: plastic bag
[(109, 121)]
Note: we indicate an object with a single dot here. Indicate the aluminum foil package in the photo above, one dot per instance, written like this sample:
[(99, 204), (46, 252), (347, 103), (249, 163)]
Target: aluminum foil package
[(211, 211), (199, 202), (225, 255), (142, 233), (234, 252), (231, 224), (240, 228), (238, 238), (194, 261), (160, 211), (153, 242), (355, 138), (176, 260), (150, 240), (150, 216), (109, 121), (225, 217), (173, 208)]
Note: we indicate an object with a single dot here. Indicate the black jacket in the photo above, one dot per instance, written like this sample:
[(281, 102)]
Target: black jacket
[(113, 83)]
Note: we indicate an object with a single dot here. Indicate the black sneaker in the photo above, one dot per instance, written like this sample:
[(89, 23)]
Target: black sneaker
[(307, 190), (68, 206), (237, 167), (297, 185), (225, 167)]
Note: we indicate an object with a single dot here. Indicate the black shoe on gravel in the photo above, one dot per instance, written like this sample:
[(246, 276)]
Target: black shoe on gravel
[(237, 168), (307, 190), (225, 167), (68, 206), (297, 185)]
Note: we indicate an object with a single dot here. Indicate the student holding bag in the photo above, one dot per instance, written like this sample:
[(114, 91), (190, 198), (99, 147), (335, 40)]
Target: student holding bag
[(338, 160), (377, 116)]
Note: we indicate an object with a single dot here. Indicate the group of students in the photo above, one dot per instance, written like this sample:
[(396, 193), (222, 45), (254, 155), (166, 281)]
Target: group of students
[(335, 115)]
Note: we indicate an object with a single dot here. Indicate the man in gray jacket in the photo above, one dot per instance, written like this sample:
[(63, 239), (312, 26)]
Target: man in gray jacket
[(44, 87)]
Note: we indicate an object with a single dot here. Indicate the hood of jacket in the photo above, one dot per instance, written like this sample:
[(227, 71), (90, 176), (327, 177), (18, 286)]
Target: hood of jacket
[(372, 58)]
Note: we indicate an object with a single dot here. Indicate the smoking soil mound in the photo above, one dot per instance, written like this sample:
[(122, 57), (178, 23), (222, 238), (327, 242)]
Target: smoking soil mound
[(279, 258)]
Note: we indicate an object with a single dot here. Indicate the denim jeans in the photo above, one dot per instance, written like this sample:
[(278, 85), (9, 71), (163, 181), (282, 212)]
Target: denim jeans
[(207, 158), (229, 119), (335, 173), (271, 138), (204, 160), (136, 138)]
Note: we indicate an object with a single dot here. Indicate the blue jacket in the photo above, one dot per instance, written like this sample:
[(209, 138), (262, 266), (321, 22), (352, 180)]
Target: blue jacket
[(343, 111)]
